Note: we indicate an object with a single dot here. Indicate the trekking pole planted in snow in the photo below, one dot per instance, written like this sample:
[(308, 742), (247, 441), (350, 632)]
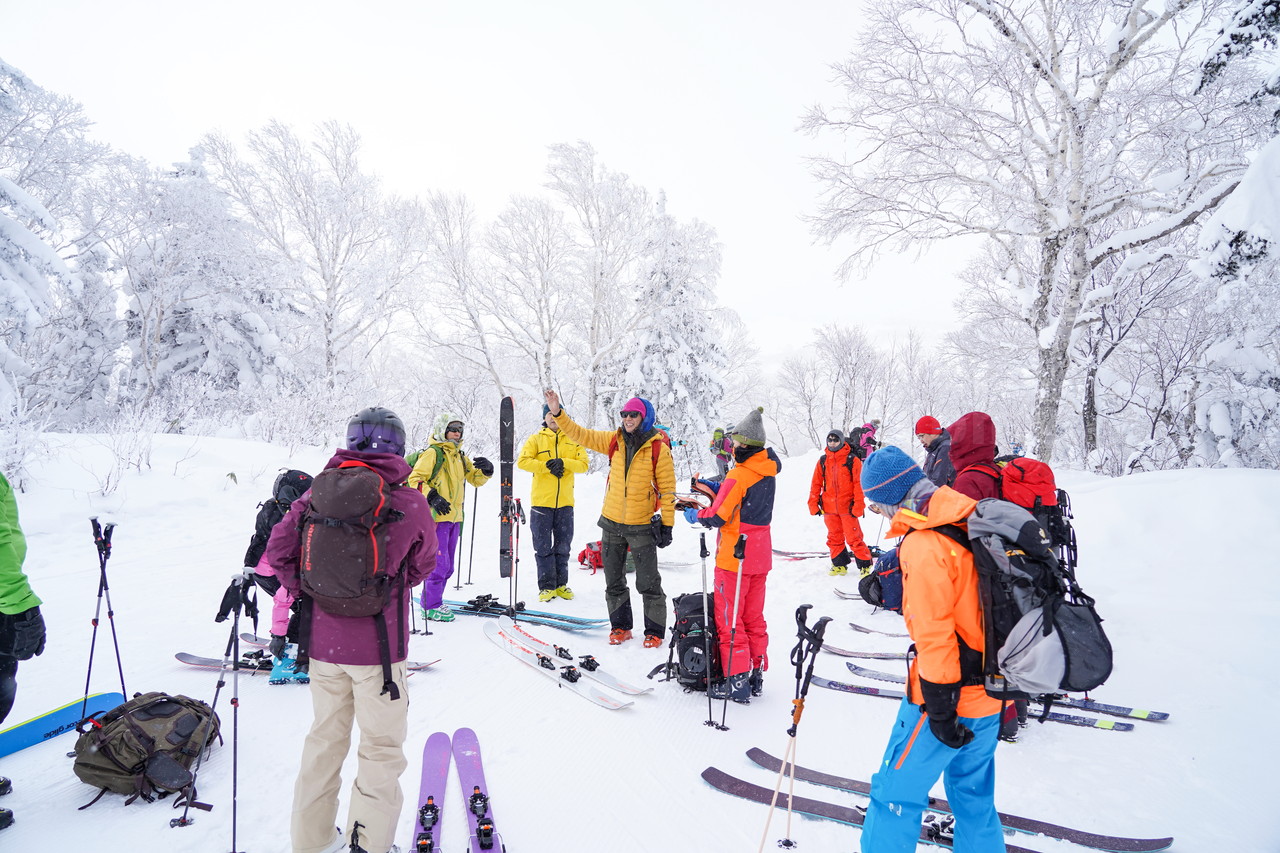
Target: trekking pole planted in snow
[(471, 558), (739, 552), (706, 635), (808, 644), (517, 520), (102, 541)]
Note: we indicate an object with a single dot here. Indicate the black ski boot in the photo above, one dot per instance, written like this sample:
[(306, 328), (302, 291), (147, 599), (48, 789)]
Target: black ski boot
[(735, 687), (757, 681), (6, 818)]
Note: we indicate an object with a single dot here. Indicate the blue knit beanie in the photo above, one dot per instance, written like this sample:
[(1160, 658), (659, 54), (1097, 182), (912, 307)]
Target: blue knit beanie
[(888, 474)]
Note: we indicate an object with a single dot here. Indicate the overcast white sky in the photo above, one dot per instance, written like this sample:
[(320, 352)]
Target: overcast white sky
[(699, 98)]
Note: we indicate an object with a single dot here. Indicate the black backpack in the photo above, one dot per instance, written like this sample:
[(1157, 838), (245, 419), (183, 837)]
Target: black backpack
[(1042, 634), (289, 486), (145, 747), (692, 634), (882, 587), (343, 567)]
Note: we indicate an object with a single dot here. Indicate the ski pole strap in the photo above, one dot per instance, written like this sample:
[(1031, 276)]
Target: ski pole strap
[(808, 643)]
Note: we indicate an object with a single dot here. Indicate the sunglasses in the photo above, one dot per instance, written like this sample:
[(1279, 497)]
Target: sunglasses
[(632, 414), (833, 440)]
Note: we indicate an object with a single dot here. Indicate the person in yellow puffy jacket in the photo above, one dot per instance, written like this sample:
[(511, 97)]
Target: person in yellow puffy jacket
[(553, 460), (639, 512), (947, 724), (442, 472)]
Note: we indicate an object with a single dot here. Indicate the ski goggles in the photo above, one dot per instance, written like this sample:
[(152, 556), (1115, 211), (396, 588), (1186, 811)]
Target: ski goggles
[(453, 427)]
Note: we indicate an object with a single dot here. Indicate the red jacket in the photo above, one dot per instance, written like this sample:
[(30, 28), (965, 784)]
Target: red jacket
[(836, 486), (973, 455)]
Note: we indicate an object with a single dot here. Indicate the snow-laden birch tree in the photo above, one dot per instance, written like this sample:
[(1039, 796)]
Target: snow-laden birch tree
[(1035, 125), (611, 217), (345, 249)]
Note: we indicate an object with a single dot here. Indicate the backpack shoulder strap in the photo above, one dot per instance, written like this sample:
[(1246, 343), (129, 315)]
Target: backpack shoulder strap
[(956, 533)]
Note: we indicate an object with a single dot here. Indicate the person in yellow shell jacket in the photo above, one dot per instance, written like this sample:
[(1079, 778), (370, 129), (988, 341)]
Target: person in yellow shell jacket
[(552, 459), (639, 511), (442, 472)]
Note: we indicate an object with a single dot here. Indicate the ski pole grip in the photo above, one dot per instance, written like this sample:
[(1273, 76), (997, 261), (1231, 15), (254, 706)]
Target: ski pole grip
[(702, 546), (740, 549)]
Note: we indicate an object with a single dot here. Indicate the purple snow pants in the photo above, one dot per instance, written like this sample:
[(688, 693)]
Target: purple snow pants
[(433, 586)]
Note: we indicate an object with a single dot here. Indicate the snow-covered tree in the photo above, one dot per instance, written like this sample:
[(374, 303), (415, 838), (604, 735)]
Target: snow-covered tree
[(344, 250), (611, 216), (1040, 127), (673, 355)]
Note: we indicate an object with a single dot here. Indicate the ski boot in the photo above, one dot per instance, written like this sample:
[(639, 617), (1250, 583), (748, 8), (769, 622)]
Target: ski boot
[(545, 595), (565, 593), (757, 681), (439, 614), (864, 567), (286, 669), (735, 687), (840, 563)]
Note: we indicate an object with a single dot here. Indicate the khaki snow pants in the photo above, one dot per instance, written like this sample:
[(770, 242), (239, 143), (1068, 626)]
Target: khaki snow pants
[(342, 694)]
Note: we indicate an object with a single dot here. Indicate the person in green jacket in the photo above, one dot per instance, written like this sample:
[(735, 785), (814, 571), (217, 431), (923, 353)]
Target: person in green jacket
[(441, 472), (21, 625), (553, 459)]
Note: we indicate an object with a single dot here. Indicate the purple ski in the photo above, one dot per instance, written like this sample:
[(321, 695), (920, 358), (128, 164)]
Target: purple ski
[(435, 774), (466, 755)]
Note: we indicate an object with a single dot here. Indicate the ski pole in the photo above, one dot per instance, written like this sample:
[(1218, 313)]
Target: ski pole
[(739, 552), (516, 521), (471, 558), (808, 644), (102, 541), (457, 544), (706, 635)]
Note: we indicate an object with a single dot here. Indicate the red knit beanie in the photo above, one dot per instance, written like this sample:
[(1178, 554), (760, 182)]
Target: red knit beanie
[(928, 425)]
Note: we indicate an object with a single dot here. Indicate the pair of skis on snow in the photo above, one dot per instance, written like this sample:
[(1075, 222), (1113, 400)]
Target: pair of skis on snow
[(489, 607), (258, 662), (938, 820), (462, 750), (560, 665)]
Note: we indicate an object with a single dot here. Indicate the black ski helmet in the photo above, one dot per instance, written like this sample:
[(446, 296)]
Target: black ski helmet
[(376, 430)]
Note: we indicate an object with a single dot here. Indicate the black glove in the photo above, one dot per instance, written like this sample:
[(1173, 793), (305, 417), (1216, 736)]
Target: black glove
[(662, 535), (485, 466), (438, 503), (940, 702), (556, 467), (24, 635), (277, 645)]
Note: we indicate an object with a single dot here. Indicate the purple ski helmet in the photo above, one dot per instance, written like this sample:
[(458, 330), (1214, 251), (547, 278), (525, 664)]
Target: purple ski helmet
[(376, 430)]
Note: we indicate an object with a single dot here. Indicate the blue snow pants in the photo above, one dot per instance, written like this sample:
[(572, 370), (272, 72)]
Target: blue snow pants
[(552, 529), (912, 762)]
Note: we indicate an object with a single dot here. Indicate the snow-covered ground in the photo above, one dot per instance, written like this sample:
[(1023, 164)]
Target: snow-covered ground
[(1182, 565)]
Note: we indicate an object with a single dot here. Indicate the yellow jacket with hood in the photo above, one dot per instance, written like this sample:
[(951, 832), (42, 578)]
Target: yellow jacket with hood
[(548, 489), (453, 473), (633, 484)]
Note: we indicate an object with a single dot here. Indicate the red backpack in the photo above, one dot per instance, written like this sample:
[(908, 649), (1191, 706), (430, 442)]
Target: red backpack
[(1029, 483), (590, 557)]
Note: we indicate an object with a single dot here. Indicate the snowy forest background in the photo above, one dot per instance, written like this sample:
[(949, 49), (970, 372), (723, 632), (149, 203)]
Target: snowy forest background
[(1114, 164)]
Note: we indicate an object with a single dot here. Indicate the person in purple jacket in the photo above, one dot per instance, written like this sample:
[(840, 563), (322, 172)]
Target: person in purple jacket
[(347, 676)]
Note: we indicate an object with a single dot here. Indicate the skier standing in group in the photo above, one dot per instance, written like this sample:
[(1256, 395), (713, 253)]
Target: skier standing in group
[(936, 442), (743, 505), (357, 662), (288, 487), (638, 513), (553, 460), (835, 494), (442, 472), (946, 724), (722, 450), (22, 633), (973, 456)]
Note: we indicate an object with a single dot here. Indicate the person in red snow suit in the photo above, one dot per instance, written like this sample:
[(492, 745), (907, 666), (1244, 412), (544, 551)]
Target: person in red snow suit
[(973, 455), (836, 495), (743, 505)]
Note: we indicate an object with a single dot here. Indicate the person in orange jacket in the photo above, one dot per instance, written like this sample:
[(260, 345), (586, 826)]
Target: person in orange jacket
[(836, 495), (743, 505), (946, 724)]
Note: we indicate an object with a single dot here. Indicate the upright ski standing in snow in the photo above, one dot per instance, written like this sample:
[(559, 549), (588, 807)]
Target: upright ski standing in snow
[(506, 470)]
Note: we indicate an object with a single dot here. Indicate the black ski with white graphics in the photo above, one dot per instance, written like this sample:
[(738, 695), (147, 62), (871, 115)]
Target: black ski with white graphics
[(506, 473), (722, 781), (1065, 701), (1053, 716), (1030, 826)]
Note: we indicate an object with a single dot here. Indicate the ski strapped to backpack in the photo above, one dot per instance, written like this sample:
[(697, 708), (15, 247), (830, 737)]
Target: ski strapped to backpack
[(343, 563), (145, 748), (1042, 634)]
